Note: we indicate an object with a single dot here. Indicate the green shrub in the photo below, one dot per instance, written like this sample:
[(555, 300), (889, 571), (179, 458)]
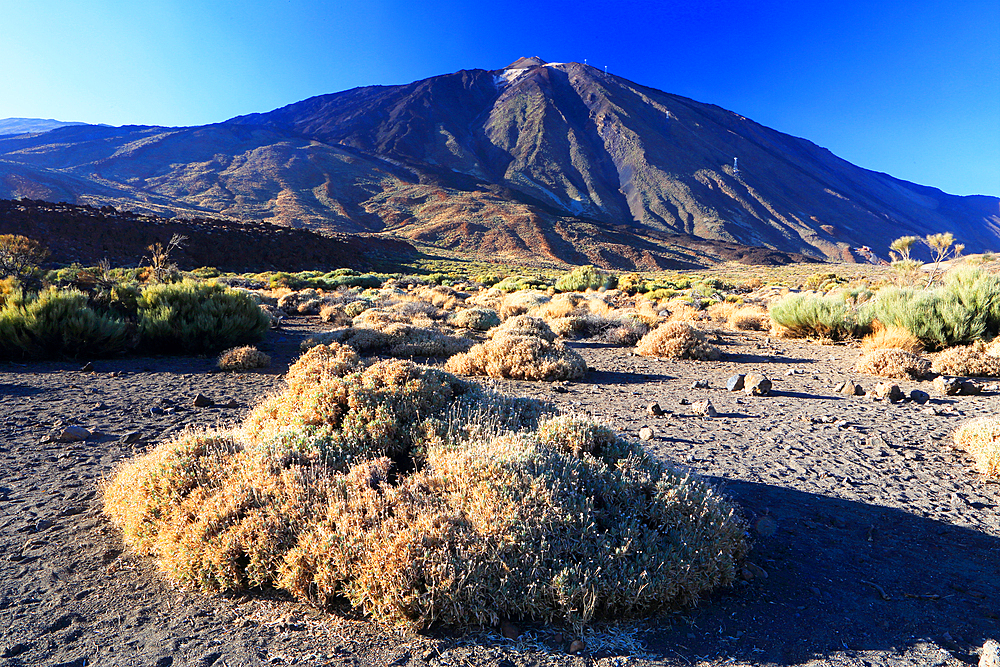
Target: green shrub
[(583, 278), (194, 317), (58, 323), (205, 272), (518, 283), (20, 256), (834, 316), (964, 309)]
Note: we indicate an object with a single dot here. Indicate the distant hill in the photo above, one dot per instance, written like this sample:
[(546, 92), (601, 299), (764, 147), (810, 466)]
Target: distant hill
[(553, 161), (27, 125), (86, 235)]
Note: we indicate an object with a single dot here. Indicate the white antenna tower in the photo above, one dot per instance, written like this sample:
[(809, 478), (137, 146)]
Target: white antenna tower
[(736, 168)]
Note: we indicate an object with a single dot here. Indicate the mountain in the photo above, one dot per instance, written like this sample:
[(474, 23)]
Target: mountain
[(554, 161), (26, 125)]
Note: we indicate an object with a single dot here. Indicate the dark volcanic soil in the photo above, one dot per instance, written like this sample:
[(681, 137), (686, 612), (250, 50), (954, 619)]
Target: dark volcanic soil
[(879, 543)]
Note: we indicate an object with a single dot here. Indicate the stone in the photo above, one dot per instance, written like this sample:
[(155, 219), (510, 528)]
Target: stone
[(704, 409), (88, 367), (756, 384), (946, 386), (645, 433), (848, 388), (202, 401), (73, 434), (919, 396), (699, 384), (735, 383), (766, 526), (578, 646), (559, 389), (654, 409), (989, 655), (887, 390), (130, 437), (969, 388), (509, 630), (756, 570)]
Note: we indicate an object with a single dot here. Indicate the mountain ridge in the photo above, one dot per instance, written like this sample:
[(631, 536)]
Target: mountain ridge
[(556, 160)]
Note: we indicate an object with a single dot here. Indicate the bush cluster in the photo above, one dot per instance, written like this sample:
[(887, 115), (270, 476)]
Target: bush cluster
[(522, 348), (420, 498), (893, 363), (981, 438), (242, 359), (186, 317), (584, 278), (976, 360), (835, 315), (677, 340)]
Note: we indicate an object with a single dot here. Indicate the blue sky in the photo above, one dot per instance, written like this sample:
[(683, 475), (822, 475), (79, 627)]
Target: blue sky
[(908, 88)]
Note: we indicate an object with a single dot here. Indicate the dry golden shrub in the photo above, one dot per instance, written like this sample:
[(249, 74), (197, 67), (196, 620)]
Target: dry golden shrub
[(981, 438), (971, 360), (481, 524), (891, 338), (677, 340), (721, 311), (391, 332), (993, 347), (750, 318), (898, 364), (491, 298), (522, 348), (441, 296), (335, 314), (521, 302), (684, 312), (243, 358)]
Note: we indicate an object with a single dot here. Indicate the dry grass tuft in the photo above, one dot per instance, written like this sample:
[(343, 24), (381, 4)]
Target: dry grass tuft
[(677, 340), (750, 318), (981, 438), (243, 358), (974, 360), (472, 523), (522, 348), (898, 364), (891, 338)]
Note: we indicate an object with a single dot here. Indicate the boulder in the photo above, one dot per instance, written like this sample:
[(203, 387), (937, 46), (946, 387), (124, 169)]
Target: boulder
[(756, 384), (704, 409), (887, 390), (735, 383)]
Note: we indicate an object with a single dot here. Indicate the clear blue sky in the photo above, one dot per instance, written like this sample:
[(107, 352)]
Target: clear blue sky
[(908, 88)]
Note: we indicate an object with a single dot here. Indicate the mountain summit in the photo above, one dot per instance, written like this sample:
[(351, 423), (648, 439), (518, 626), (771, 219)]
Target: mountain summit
[(553, 160)]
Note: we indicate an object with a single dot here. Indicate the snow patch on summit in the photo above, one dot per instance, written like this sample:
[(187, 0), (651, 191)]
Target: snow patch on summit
[(507, 77)]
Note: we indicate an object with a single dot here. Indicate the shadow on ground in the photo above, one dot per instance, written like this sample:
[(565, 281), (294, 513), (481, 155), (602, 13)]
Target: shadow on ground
[(845, 577)]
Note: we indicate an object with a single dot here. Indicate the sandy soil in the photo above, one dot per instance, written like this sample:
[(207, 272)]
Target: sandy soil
[(874, 541)]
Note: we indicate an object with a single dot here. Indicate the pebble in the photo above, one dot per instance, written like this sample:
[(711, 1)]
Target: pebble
[(699, 384), (645, 433), (756, 384), (704, 409), (202, 401), (654, 409), (73, 434)]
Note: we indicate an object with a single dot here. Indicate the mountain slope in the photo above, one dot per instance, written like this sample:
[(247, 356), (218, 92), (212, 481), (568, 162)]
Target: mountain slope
[(556, 161)]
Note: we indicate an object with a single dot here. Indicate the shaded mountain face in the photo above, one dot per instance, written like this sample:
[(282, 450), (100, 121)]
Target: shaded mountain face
[(539, 160)]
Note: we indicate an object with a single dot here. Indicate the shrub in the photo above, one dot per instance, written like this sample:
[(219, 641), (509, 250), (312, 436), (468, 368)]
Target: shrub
[(981, 438), (58, 323), (974, 360), (893, 364), (522, 348), (197, 317), (467, 521), (583, 278), (750, 318), (477, 319), (243, 358), (20, 256), (832, 316), (677, 340), (891, 338), (964, 309)]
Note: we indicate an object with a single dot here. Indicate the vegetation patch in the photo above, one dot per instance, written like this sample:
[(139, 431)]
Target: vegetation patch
[(677, 340), (976, 360), (892, 363), (422, 498), (981, 438), (522, 348), (243, 358)]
